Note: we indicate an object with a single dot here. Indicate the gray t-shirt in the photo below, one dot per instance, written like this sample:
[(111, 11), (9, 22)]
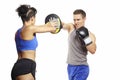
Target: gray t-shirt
[(77, 55)]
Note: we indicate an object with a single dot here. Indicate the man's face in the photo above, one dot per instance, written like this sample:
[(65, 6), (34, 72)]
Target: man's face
[(78, 20)]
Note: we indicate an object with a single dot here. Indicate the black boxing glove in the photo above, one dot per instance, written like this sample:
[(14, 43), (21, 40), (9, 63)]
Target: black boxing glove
[(83, 34)]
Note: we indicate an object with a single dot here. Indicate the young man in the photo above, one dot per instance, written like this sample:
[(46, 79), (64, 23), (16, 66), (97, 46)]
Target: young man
[(80, 41)]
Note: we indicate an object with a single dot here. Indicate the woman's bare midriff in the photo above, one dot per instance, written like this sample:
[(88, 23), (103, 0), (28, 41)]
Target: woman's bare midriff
[(29, 54)]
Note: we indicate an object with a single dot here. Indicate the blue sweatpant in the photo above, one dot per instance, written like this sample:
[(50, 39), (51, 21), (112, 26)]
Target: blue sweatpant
[(78, 72)]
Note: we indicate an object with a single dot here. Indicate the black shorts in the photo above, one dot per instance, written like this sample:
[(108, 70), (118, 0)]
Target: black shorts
[(23, 66)]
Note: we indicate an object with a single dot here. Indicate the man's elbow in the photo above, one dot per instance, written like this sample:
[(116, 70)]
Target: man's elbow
[(92, 51)]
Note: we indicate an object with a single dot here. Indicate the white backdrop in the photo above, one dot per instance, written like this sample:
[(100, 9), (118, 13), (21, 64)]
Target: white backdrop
[(102, 19)]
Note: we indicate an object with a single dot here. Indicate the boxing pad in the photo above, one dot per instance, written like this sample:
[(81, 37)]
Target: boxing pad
[(54, 18), (83, 34)]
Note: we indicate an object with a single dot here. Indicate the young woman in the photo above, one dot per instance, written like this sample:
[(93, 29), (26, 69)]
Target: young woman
[(26, 43)]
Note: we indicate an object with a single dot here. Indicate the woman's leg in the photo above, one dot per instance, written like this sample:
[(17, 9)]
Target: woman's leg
[(28, 76)]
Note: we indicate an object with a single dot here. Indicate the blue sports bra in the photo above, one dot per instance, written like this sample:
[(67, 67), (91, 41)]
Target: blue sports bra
[(22, 45)]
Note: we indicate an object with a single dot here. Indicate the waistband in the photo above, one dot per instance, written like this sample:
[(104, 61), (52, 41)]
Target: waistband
[(25, 59)]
